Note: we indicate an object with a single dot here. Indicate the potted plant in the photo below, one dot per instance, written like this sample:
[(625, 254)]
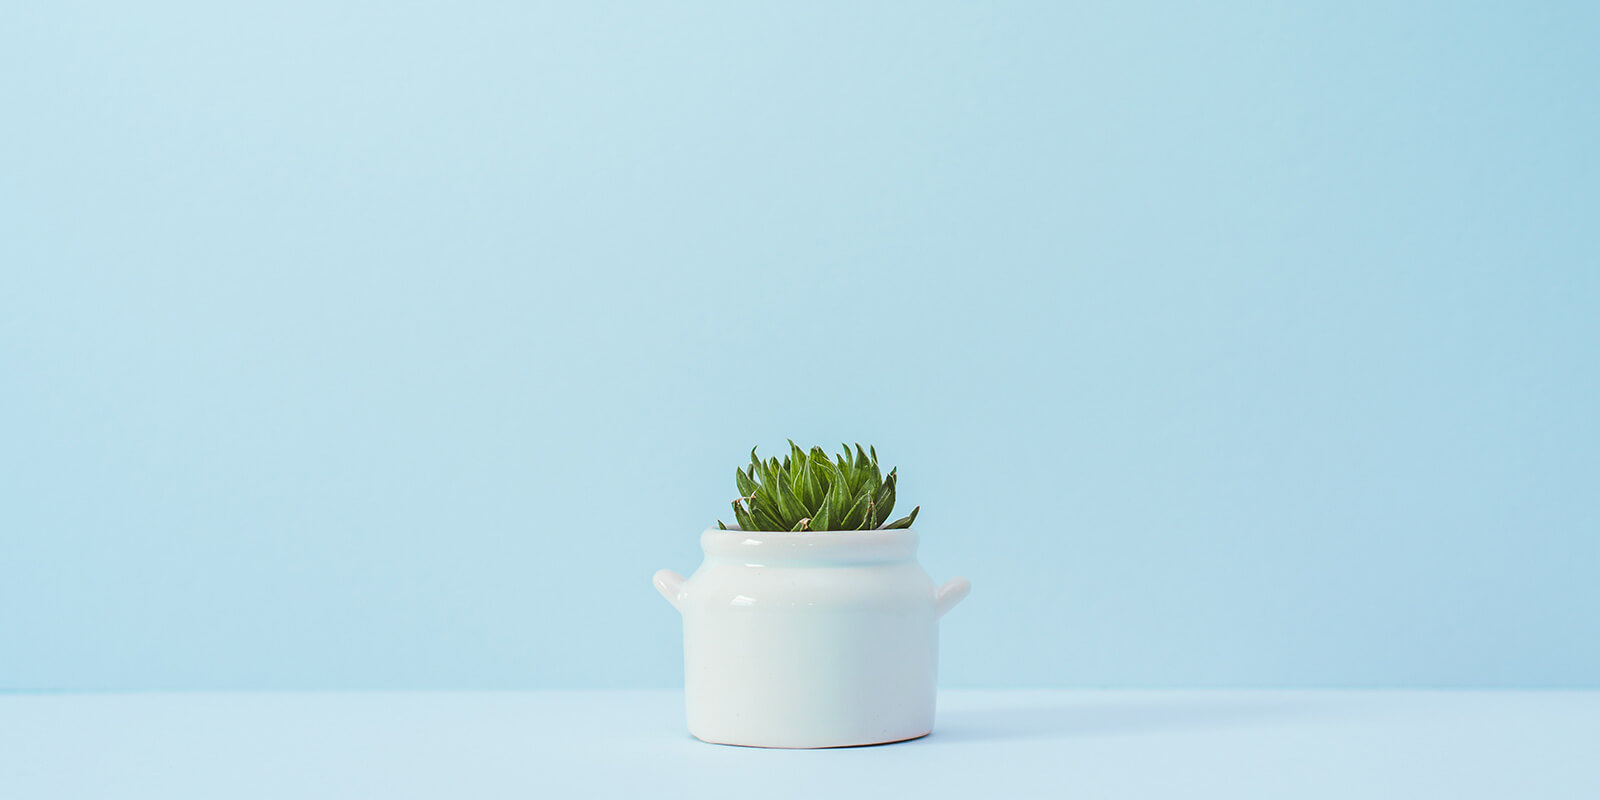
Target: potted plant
[(810, 623)]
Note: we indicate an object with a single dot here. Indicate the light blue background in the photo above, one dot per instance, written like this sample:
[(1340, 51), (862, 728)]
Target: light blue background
[(396, 346)]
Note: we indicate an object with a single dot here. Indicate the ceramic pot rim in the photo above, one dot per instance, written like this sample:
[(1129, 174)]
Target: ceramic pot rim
[(822, 547)]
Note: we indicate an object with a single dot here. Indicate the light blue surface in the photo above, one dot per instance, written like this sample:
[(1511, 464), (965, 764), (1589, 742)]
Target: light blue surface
[(1038, 744), (397, 346)]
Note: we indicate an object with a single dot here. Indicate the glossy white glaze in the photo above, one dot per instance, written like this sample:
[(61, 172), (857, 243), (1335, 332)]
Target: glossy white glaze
[(810, 639)]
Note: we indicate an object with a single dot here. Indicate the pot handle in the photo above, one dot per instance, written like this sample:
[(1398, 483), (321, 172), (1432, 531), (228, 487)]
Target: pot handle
[(670, 585), (953, 591)]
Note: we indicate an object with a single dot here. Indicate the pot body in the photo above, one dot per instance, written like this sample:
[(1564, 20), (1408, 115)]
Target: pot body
[(810, 639)]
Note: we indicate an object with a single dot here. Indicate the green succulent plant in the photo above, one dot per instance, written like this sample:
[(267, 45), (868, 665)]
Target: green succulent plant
[(808, 491)]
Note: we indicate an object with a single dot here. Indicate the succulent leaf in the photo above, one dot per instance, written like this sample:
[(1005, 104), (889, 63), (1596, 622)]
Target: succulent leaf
[(820, 521), (767, 519), (809, 489), (903, 522), (838, 500), (746, 520), (789, 505), (856, 518), (884, 500)]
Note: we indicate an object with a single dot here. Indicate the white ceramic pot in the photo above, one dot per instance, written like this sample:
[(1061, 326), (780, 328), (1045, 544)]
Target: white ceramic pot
[(810, 639)]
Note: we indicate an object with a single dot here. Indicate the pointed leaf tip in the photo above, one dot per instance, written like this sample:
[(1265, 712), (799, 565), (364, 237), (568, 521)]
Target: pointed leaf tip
[(903, 522)]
